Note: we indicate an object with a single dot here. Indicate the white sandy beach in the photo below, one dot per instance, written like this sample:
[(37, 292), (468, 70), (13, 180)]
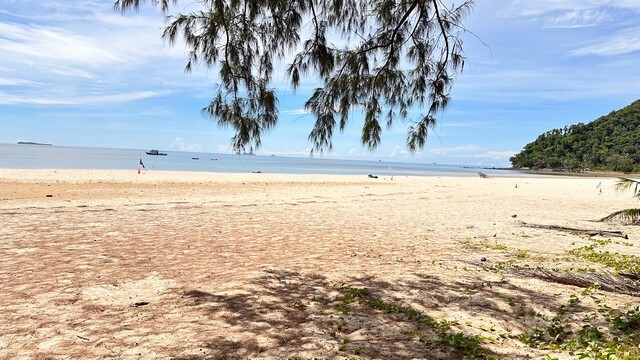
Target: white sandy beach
[(207, 265)]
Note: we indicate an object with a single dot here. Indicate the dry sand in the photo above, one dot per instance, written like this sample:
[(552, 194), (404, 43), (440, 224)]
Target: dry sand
[(225, 266)]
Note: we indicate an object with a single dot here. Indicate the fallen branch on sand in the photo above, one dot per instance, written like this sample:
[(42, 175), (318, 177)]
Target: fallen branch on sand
[(616, 283), (613, 233)]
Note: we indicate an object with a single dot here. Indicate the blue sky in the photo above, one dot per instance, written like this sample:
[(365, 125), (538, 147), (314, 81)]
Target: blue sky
[(79, 73)]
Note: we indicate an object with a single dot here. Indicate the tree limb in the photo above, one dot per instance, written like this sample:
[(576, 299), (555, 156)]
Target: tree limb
[(613, 233)]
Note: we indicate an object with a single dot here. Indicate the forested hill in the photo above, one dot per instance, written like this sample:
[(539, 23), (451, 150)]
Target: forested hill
[(610, 143)]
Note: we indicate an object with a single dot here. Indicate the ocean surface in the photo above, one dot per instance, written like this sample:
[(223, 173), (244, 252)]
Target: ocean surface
[(15, 156)]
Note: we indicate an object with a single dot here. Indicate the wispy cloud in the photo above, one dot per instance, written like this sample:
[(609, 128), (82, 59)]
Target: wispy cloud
[(8, 99), (471, 153), (494, 155), (18, 82), (578, 19), (45, 44), (623, 42), (300, 111), (453, 150), (540, 7), (71, 72)]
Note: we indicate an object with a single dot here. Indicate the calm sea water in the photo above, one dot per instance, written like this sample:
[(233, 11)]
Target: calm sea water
[(62, 157)]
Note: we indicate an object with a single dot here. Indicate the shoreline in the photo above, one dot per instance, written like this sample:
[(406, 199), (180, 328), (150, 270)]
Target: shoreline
[(153, 175), (586, 174), (603, 174)]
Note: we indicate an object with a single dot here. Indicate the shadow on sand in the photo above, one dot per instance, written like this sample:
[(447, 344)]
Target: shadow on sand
[(287, 315)]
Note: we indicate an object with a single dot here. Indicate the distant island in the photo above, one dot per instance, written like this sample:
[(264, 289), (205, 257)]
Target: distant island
[(32, 143), (609, 143)]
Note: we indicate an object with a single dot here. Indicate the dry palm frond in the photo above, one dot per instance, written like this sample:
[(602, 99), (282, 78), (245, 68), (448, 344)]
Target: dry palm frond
[(611, 282), (589, 232), (621, 283)]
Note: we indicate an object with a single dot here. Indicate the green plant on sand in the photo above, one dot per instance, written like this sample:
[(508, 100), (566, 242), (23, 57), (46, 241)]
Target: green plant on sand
[(631, 216)]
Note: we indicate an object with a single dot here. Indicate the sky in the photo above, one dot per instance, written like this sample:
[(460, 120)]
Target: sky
[(79, 73)]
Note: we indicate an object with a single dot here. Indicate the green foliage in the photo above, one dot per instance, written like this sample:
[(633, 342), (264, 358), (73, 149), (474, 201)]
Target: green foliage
[(390, 57), (620, 262), (497, 246), (608, 143), (469, 346), (616, 337), (631, 216)]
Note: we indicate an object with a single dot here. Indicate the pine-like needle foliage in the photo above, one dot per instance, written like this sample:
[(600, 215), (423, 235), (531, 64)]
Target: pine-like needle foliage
[(390, 56), (629, 215)]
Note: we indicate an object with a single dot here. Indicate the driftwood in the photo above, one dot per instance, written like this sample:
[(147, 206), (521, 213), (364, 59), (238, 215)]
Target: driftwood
[(603, 233), (616, 283)]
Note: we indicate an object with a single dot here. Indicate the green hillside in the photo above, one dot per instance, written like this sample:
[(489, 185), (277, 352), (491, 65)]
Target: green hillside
[(610, 143)]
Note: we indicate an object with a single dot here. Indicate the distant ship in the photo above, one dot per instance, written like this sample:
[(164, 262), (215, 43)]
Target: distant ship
[(155, 152), (31, 143)]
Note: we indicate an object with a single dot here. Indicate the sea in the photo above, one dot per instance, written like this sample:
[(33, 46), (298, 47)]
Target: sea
[(26, 156)]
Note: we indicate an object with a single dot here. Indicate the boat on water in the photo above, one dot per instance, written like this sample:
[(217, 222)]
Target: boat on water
[(155, 152), (32, 143)]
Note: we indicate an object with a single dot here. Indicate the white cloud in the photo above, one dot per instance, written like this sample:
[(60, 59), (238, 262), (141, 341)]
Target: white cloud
[(300, 111), (45, 44), (62, 53), (494, 155), (401, 152), (454, 149), (18, 82), (471, 153), (7, 99), (518, 82), (71, 72), (120, 98), (623, 42), (540, 7), (181, 145), (578, 18)]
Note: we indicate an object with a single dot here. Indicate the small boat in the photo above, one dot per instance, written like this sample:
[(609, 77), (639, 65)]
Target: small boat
[(195, 158), (155, 152)]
